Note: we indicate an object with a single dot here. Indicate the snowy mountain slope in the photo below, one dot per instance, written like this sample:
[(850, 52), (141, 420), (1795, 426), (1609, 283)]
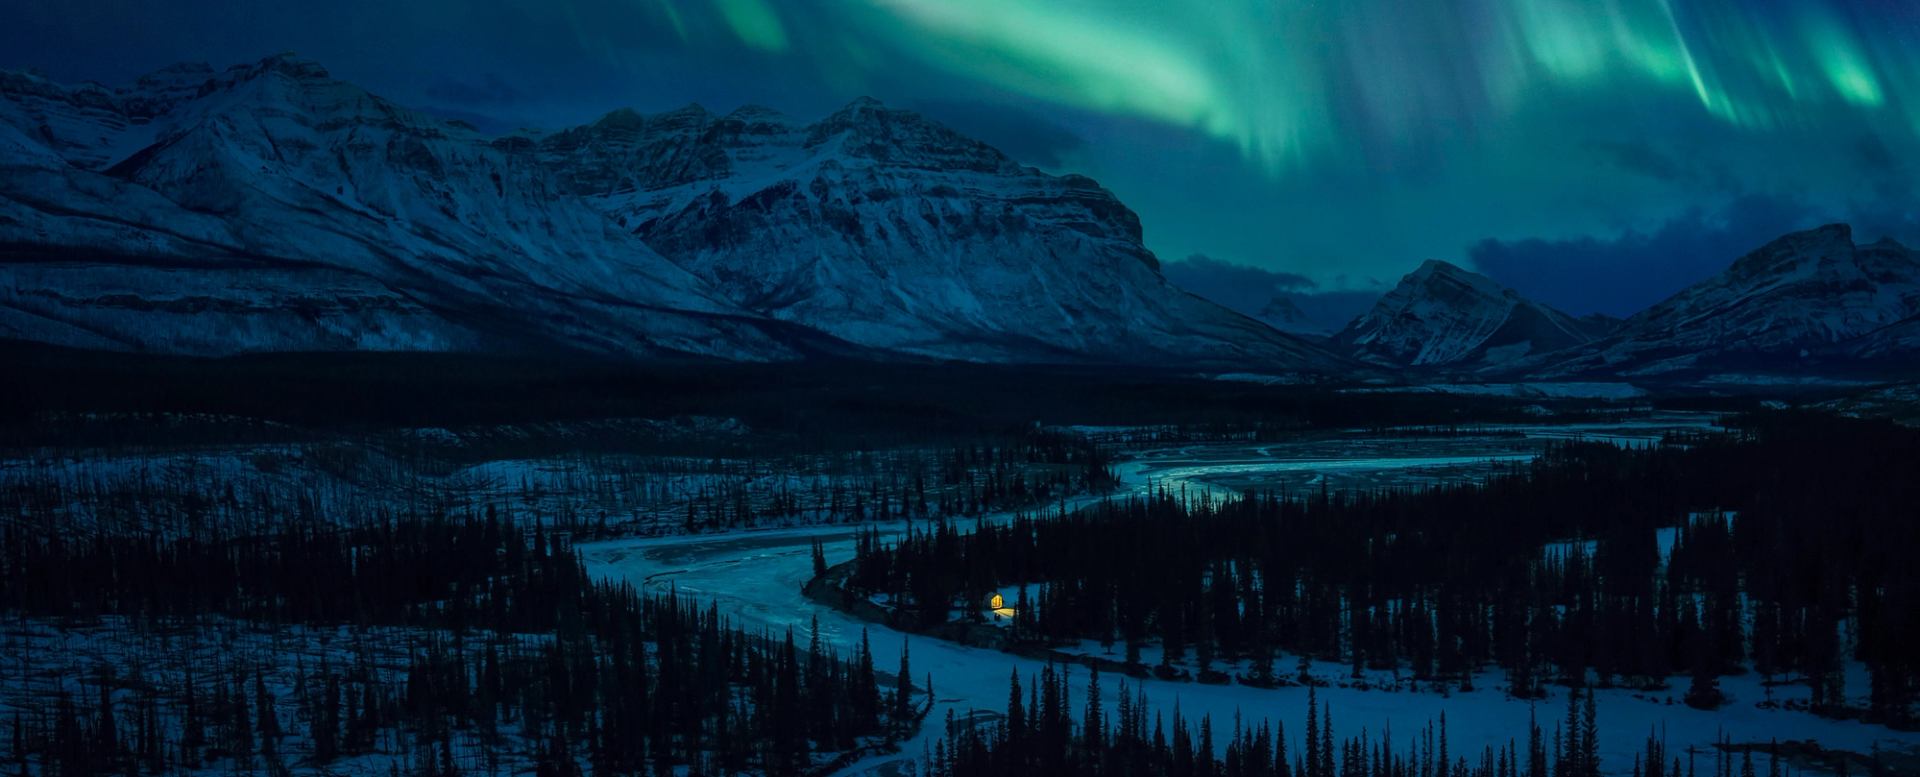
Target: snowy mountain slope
[(1284, 314), (1441, 315), (1812, 297), (271, 207), (278, 209), (886, 229), (1896, 340), (92, 261)]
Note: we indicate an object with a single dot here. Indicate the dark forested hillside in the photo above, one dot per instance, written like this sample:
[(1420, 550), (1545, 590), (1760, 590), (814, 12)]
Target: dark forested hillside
[(1782, 547), (511, 653), (1043, 733), (827, 402)]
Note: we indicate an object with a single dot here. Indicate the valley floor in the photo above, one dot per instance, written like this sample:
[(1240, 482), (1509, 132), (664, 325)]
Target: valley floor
[(757, 578), (754, 523)]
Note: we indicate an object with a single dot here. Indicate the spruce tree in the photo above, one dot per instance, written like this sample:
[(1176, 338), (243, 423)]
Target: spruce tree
[(903, 689)]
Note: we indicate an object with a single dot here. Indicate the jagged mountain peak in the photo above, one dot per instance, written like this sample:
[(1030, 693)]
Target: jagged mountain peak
[(181, 68), (1825, 255), (1440, 267), (1438, 271), (689, 115), (866, 109), (1779, 305), (868, 129), (756, 112), (869, 111), (1804, 250), (285, 63), (176, 74), (320, 216), (885, 228), (1442, 315), (314, 215), (626, 151), (620, 117), (620, 124), (1282, 313), (626, 128), (691, 112)]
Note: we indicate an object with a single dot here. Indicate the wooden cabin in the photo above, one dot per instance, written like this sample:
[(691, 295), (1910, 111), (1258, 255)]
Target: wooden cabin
[(997, 605)]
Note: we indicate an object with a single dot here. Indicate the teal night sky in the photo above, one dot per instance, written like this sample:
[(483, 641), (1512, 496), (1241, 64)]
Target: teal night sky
[(1596, 153)]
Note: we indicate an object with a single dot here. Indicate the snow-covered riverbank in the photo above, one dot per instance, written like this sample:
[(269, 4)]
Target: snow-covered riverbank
[(756, 578)]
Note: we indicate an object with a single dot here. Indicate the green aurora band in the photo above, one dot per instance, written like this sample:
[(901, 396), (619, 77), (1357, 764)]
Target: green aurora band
[(1288, 80)]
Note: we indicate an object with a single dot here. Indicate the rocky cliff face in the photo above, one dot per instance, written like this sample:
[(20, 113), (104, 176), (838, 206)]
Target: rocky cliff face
[(272, 207), (1441, 315), (1809, 297), (883, 228), (278, 209)]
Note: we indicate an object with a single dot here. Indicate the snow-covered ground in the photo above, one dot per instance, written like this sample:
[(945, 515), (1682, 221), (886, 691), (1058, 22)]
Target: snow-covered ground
[(244, 487), (41, 659), (1530, 389), (756, 579)]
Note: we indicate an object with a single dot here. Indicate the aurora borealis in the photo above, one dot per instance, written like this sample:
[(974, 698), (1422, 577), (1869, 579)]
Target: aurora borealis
[(1288, 82), (1341, 141)]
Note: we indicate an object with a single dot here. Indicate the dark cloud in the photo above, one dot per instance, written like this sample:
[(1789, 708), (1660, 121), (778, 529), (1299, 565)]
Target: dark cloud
[(1624, 274), (1022, 134), (1237, 286), (1253, 291)]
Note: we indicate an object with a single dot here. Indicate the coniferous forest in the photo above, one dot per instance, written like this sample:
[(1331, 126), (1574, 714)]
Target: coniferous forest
[(1517, 388), (1045, 733), (513, 659), (468, 600), (257, 598), (1781, 546)]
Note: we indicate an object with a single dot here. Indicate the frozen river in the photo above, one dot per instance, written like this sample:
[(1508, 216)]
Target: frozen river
[(756, 579)]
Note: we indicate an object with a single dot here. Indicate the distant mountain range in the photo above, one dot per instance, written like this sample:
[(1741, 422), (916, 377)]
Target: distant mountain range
[(1440, 314), (1811, 301), (270, 207), (1805, 304)]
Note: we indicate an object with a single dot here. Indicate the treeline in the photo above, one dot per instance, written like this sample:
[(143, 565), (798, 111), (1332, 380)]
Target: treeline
[(1152, 436), (961, 480), (519, 654), (1795, 524), (1040, 735), (50, 395), (257, 491)]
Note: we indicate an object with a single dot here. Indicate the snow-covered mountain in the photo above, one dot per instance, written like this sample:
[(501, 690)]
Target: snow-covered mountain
[(1896, 341), (1811, 298), (883, 228), (1282, 313), (272, 207), (1441, 315)]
